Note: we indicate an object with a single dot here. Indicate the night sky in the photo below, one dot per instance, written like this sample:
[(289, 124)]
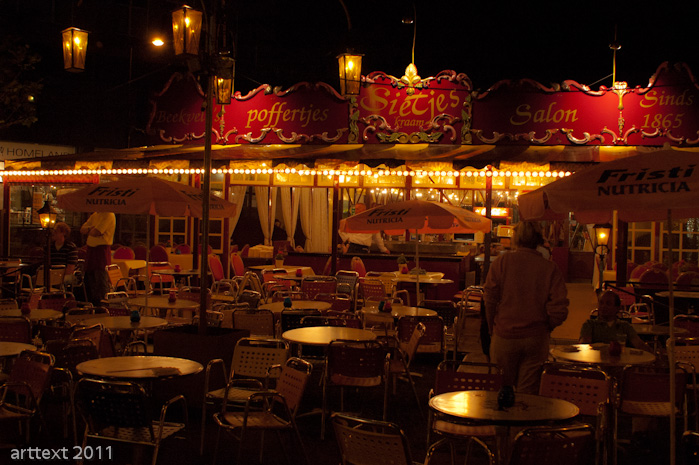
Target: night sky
[(281, 42)]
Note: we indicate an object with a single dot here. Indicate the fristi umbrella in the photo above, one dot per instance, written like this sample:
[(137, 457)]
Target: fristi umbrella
[(421, 216), (145, 196), (652, 186)]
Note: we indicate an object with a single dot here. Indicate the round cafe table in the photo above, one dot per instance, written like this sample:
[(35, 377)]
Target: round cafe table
[(277, 307), (162, 302), (37, 314), (11, 349), (482, 406), (137, 368), (398, 311), (124, 323), (598, 354), (323, 335)]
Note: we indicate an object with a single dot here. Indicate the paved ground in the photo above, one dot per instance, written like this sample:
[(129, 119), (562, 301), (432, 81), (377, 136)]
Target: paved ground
[(651, 449)]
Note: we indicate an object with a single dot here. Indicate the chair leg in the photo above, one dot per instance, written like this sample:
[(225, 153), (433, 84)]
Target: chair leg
[(218, 437), (203, 427)]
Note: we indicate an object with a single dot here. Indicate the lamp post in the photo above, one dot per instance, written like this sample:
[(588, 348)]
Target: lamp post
[(218, 68), (47, 218), (602, 233)]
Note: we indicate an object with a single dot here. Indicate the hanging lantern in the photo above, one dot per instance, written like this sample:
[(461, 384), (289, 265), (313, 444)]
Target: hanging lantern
[(186, 30), (223, 80), (47, 216), (350, 73), (74, 49)]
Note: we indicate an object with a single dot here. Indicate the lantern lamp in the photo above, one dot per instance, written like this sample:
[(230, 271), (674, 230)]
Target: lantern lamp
[(602, 232), (47, 216), (223, 80), (350, 73), (186, 30), (74, 49)]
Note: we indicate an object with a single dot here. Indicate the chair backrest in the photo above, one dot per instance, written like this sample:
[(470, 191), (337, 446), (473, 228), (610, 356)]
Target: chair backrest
[(124, 252), (348, 361), (689, 280), (92, 333), (371, 289), (55, 331), (686, 350), (656, 386), (370, 442), (158, 254), (338, 301), (213, 319), (253, 357), (292, 382), (357, 265), (410, 349), (8, 304), (314, 285), (237, 265), (216, 267), (322, 320), (433, 338), (569, 445), (69, 353), (183, 248), (291, 319), (259, 322), (352, 320), (654, 276), (586, 387), (244, 250), (346, 281), (456, 375), (113, 403), (140, 252), (55, 275), (15, 329), (688, 322), (31, 370), (444, 308)]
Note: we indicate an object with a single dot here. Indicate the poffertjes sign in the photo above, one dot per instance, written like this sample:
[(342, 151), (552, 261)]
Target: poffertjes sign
[(439, 110)]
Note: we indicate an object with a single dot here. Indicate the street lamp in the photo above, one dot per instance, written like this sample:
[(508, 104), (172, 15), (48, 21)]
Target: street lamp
[(218, 69), (47, 218), (74, 49), (350, 73), (602, 233), (186, 30)]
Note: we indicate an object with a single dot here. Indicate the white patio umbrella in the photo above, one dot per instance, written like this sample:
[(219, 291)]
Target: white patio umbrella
[(146, 196), (652, 186), (420, 216)]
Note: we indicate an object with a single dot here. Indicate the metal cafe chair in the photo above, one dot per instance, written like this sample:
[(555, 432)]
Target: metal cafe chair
[(252, 359), (568, 445), (280, 408), (121, 412), (455, 375), (370, 442), (590, 389)]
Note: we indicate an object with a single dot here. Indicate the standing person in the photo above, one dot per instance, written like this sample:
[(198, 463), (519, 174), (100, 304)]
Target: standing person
[(361, 242), (525, 298), (99, 228), (607, 327), (63, 251)]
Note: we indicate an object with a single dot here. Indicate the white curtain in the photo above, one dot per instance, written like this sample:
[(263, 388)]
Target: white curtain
[(315, 214), (236, 196), (290, 211), (266, 202)]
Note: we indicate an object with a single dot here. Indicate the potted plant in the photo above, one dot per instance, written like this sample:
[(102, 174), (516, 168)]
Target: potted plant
[(279, 260), (402, 264)]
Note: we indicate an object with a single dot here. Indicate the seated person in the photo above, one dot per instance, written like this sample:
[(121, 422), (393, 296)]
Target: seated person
[(606, 327)]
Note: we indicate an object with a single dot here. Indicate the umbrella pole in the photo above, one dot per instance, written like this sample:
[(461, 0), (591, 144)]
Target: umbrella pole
[(671, 342), (417, 265)]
